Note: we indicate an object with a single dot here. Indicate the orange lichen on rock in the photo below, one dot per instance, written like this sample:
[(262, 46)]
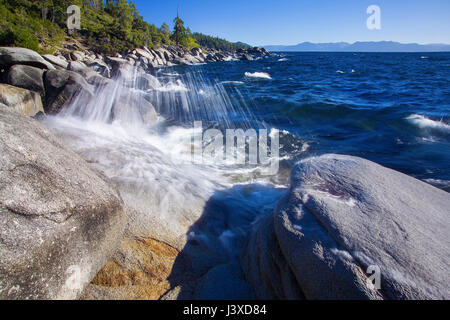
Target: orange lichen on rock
[(138, 270)]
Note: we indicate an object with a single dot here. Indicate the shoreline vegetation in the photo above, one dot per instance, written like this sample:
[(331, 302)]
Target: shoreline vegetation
[(106, 28), (69, 232)]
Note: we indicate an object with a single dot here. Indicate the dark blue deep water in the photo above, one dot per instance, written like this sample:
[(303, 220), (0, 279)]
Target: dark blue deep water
[(391, 108)]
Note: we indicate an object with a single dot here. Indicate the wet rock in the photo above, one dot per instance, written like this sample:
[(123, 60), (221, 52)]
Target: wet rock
[(59, 220), (62, 86), (21, 100), (97, 80), (130, 107), (100, 67), (147, 82), (119, 66)]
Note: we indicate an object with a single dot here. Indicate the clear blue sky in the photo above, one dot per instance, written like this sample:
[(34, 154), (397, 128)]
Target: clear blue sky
[(265, 22)]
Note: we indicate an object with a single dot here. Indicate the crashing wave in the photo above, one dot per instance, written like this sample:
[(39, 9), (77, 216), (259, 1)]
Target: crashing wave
[(173, 87), (232, 82), (261, 75), (426, 123)]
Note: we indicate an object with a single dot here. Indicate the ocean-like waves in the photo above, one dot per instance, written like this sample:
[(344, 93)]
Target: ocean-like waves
[(426, 123), (261, 75)]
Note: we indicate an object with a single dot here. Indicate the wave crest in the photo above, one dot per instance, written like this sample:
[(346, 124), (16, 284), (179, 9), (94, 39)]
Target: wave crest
[(262, 75), (427, 123)]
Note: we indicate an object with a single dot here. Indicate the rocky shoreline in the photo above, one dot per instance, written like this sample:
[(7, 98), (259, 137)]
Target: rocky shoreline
[(58, 78), (69, 232)]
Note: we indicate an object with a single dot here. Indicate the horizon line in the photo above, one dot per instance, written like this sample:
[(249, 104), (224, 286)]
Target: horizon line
[(359, 41)]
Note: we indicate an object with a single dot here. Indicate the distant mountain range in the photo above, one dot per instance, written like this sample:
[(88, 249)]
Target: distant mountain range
[(381, 46)]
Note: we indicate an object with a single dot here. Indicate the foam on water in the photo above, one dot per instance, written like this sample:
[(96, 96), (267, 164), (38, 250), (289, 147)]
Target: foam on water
[(261, 75), (427, 123), (232, 82)]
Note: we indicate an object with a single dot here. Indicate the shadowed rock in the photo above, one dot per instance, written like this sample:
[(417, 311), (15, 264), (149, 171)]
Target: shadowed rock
[(62, 87), (265, 266)]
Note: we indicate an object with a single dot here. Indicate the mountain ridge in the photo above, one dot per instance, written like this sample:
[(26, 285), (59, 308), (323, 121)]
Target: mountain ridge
[(361, 46)]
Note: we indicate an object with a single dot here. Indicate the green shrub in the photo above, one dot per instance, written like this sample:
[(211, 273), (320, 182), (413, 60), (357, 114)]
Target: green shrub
[(19, 38)]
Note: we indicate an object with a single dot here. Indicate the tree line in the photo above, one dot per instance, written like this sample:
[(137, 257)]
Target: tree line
[(218, 43), (106, 26)]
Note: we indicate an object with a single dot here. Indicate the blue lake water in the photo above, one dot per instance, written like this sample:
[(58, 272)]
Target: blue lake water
[(391, 108)]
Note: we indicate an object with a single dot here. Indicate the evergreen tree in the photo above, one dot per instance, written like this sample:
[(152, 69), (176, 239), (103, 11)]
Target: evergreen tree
[(165, 33), (179, 31)]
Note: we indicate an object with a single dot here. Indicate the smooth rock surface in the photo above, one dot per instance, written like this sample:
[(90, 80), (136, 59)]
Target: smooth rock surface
[(59, 220), (11, 56), (345, 214), (27, 77), (21, 100)]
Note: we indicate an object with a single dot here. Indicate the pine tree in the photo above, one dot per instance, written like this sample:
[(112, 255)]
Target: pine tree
[(179, 31)]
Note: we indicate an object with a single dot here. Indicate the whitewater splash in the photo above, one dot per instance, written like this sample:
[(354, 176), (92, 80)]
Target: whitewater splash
[(261, 75), (427, 123), (138, 131)]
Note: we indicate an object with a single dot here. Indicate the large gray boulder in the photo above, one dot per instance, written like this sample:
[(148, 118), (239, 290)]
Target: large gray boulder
[(145, 82), (62, 86), (27, 77), (119, 67), (21, 100), (345, 218), (59, 220), (11, 56)]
